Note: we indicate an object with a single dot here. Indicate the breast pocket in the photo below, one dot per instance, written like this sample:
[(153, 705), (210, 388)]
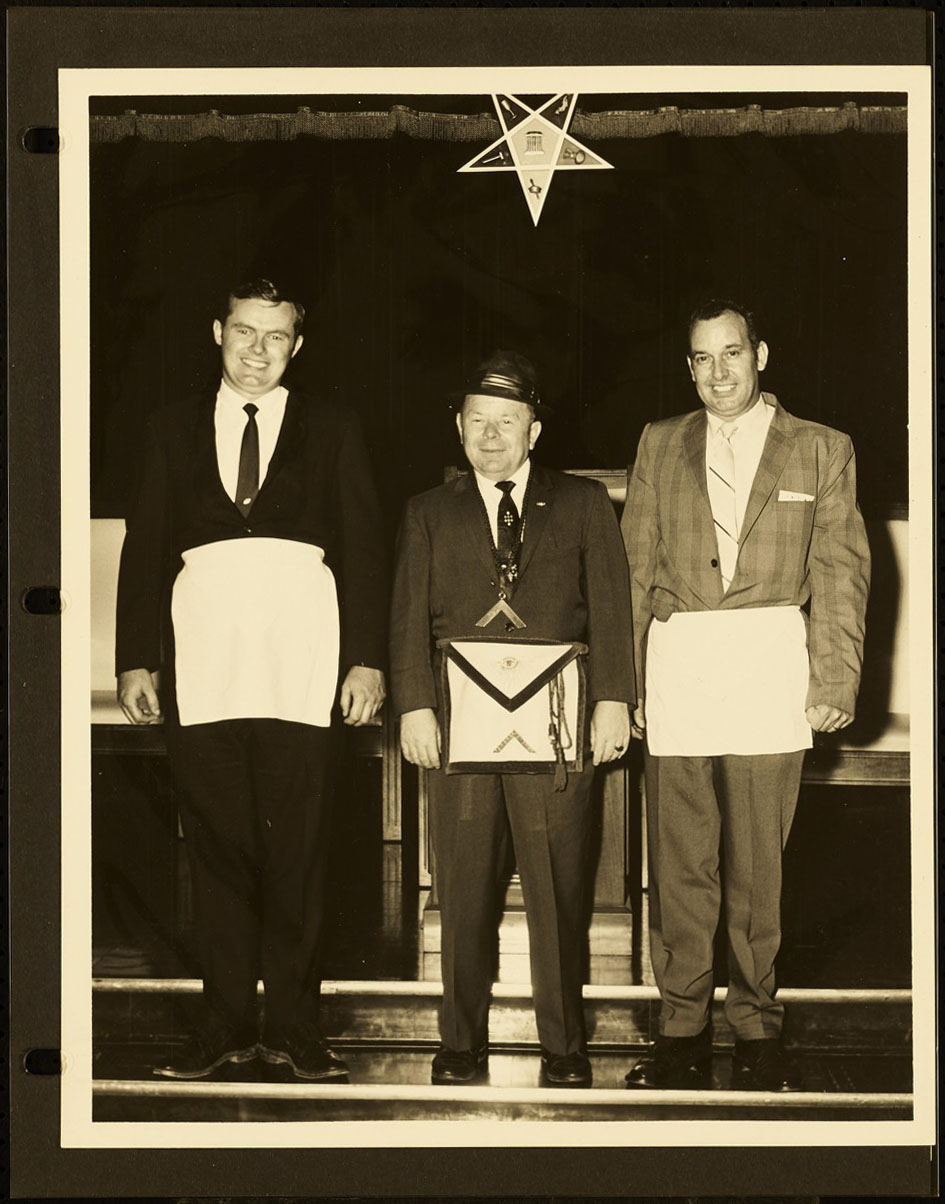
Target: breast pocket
[(790, 519)]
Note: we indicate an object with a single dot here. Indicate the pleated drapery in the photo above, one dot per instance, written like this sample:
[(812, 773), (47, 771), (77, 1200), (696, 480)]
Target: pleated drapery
[(462, 127)]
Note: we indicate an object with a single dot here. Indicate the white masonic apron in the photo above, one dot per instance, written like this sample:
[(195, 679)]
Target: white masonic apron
[(256, 632), (727, 682)]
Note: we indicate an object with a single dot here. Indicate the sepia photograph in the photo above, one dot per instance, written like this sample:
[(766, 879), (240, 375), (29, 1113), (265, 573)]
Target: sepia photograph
[(343, 865), (496, 680)]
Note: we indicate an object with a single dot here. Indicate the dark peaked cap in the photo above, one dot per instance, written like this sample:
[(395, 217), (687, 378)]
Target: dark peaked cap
[(508, 375)]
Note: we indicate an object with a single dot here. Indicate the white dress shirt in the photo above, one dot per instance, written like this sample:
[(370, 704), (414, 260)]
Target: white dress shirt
[(492, 496), (748, 442), (230, 419)]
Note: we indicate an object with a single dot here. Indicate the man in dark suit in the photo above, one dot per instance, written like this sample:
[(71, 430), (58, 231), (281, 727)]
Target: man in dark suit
[(546, 548), (257, 533), (749, 569)]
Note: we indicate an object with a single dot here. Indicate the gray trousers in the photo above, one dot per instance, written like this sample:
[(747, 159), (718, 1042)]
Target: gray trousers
[(695, 806), (473, 816)]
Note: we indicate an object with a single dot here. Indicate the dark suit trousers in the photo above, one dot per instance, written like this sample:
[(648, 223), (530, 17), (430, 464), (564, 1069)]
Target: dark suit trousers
[(255, 816), (694, 806), (473, 817)]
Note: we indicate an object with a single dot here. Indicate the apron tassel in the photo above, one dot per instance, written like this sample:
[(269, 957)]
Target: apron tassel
[(558, 730)]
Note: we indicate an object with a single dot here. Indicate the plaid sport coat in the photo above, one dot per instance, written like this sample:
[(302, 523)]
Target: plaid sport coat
[(792, 551)]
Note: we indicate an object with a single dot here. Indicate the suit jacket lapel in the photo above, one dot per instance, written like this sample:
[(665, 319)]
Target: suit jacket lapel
[(207, 480), (694, 441), (290, 440), (777, 449), (540, 500), (472, 520)]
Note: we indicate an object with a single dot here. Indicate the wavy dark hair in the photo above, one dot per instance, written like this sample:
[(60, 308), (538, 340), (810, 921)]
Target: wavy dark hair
[(714, 308), (262, 290)]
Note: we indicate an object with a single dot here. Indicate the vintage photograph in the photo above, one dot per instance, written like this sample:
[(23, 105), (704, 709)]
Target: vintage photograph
[(494, 492)]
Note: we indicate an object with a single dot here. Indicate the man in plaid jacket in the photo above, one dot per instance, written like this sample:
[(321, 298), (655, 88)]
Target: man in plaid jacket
[(749, 572)]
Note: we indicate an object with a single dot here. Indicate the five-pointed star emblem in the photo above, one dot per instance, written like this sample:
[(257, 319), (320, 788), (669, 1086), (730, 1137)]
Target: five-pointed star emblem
[(535, 144)]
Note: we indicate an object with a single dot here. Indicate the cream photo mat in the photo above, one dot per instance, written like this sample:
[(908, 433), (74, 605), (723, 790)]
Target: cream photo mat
[(78, 1130)]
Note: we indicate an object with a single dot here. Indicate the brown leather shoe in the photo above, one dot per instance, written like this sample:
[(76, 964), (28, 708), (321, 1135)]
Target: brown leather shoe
[(675, 1064), (761, 1065), (452, 1066)]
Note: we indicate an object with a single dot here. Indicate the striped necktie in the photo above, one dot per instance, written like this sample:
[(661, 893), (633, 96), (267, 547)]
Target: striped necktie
[(720, 477)]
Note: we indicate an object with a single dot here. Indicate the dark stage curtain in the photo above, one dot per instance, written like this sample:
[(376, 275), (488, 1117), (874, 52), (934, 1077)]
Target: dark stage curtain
[(413, 272)]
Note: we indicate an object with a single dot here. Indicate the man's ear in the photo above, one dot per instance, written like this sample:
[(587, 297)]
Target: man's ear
[(218, 332), (459, 425), (533, 432), (761, 356), (298, 344), (692, 374)]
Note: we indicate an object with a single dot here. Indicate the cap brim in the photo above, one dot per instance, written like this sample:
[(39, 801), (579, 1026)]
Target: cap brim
[(456, 398)]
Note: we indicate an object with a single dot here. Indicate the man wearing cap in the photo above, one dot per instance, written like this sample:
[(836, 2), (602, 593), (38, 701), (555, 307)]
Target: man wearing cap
[(258, 529), (750, 570), (516, 551)]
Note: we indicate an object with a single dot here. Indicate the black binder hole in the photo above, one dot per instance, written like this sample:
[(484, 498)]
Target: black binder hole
[(43, 600), (42, 1061), (42, 139)]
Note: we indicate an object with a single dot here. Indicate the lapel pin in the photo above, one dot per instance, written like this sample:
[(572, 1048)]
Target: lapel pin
[(541, 503)]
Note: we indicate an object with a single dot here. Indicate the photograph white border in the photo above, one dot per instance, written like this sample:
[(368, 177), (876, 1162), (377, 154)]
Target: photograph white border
[(76, 86)]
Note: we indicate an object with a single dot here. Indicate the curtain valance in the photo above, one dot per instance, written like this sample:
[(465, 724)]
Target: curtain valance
[(461, 127)]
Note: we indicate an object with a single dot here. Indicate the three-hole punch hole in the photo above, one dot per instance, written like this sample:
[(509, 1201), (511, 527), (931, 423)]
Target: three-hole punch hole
[(41, 139), (42, 1061)]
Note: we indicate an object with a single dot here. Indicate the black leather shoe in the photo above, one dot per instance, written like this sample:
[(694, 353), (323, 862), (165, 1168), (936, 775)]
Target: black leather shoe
[(566, 1070), (304, 1051), (761, 1066), (675, 1064), (206, 1052), (459, 1065)]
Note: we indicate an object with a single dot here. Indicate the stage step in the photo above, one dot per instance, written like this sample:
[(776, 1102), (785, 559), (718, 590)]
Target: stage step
[(142, 1009), (394, 1085)]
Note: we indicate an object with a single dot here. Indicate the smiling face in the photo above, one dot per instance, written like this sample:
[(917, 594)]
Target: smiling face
[(724, 366), (257, 341), (497, 434)]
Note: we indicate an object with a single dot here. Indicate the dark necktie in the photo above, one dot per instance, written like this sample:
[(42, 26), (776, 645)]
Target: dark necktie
[(247, 480), (507, 526)]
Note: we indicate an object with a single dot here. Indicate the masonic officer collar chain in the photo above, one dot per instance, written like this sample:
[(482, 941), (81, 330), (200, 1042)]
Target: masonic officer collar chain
[(506, 567)]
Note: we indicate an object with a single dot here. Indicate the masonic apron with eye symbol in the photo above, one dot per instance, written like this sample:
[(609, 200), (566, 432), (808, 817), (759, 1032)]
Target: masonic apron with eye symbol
[(512, 705)]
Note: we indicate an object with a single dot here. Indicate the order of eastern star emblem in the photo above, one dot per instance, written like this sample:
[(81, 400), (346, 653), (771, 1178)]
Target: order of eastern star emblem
[(535, 144)]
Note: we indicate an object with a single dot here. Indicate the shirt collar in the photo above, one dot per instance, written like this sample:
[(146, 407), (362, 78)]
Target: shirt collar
[(233, 401), (518, 478), (744, 422)]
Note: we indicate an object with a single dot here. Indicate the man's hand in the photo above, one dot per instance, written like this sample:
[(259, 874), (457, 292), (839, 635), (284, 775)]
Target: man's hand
[(825, 718), (362, 693), (638, 721), (610, 731), (420, 738), (137, 695)]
